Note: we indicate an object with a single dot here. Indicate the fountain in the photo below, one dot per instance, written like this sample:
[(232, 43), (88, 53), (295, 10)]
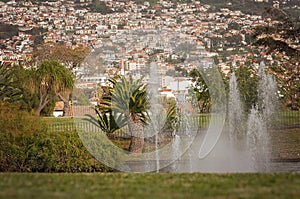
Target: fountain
[(258, 141), (267, 94), (249, 134), (155, 112), (235, 113), (244, 144), (259, 120), (185, 133), (241, 147)]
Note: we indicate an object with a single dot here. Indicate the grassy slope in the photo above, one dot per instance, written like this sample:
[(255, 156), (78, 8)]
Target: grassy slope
[(165, 185)]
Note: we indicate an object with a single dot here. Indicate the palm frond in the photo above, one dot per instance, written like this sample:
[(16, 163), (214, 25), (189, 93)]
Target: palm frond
[(9, 90)]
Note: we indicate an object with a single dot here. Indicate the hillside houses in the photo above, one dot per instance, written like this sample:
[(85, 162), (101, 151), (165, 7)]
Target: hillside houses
[(123, 38)]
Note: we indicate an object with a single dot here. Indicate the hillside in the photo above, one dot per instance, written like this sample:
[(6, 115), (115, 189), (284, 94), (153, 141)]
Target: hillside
[(252, 7)]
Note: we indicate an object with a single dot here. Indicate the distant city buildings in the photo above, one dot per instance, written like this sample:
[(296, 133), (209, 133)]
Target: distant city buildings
[(220, 36)]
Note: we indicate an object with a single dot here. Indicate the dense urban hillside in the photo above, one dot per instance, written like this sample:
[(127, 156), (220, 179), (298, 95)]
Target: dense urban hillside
[(254, 6)]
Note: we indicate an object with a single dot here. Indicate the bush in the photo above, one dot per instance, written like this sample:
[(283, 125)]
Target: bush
[(27, 145)]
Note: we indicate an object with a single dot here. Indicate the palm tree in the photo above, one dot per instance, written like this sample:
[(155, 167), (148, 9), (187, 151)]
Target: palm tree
[(129, 99), (70, 57), (106, 120), (51, 79)]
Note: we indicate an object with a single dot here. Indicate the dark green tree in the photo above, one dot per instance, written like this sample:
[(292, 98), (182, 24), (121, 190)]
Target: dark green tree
[(247, 80), (208, 87), (201, 91), (106, 120), (127, 103)]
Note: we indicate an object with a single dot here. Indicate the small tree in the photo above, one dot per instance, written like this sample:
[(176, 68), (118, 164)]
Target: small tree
[(70, 57), (50, 79), (129, 97), (106, 120), (247, 84), (208, 87), (127, 104), (200, 90)]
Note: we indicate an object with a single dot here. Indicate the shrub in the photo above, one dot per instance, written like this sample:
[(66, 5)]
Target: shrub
[(27, 145)]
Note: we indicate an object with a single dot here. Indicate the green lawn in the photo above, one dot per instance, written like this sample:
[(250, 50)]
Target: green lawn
[(151, 185), (282, 119)]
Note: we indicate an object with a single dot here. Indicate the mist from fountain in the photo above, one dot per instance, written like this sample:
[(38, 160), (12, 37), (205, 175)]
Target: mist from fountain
[(175, 152), (185, 134), (244, 145), (157, 117), (267, 94), (236, 115), (258, 141), (260, 119)]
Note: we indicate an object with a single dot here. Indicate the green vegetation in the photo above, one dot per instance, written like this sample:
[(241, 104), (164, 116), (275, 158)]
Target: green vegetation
[(282, 119), (50, 79), (29, 144), (37, 88), (127, 104), (246, 6), (247, 84), (70, 57), (127, 99), (162, 185), (26, 145), (208, 86), (100, 7), (7, 31), (201, 91), (287, 118), (67, 56), (152, 2), (9, 90)]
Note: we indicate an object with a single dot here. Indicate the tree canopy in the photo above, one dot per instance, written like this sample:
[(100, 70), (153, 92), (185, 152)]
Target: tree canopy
[(71, 57), (49, 80)]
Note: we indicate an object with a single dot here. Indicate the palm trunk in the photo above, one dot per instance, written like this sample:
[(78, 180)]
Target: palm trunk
[(137, 135)]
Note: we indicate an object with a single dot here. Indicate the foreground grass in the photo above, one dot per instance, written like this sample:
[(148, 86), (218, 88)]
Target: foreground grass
[(163, 185)]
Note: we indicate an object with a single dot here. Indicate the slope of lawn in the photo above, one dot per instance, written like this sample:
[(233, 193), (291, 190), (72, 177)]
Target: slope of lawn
[(151, 185)]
